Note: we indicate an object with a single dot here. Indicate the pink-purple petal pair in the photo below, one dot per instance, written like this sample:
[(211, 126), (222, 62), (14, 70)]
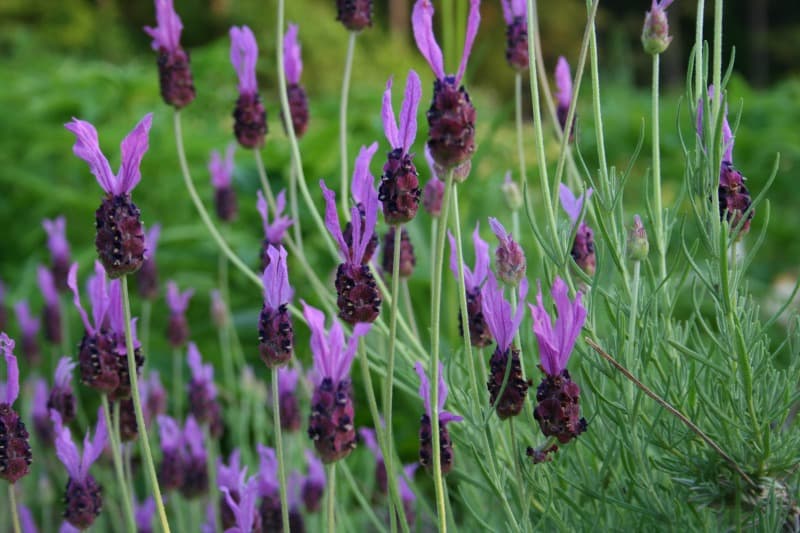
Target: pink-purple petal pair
[(426, 427), (15, 454), (293, 67), (564, 96), (120, 234), (221, 170), (275, 230), (479, 334), (178, 325), (56, 230), (51, 313), (174, 72), (514, 13), (250, 117), (582, 251), (275, 330)]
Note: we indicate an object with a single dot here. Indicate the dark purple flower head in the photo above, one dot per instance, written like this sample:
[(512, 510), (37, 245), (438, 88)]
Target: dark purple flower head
[(15, 452), (195, 462), (275, 330), (275, 230), (78, 465), (292, 60), (178, 302), (62, 397), (434, 190), (564, 95), (11, 386), (473, 278), (243, 506), (503, 323), (511, 264), (133, 148), (515, 13), (153, 395), (655, 33), (314, 483), (143, 514), (332, 355), (59, 249), (556, 343), (244, 54), (167, 34), (221, 169), (147, 276), (425, 393), (402, 136), (355, 15), (422, 23)]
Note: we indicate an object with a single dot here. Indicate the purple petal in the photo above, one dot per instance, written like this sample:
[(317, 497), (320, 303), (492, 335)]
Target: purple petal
[(72, 283), (41, 394), (543, 329), (370, 440), (193, 437), (221, 170), (167, 33), (499, 230), (508, 14), (363, 181), (332, 220), (443, 391), (87, 148), (522, 293), (473, 21), (178, 301), (408, 113), (292, 60), (277, 290), (316, 470), (144, 513), (151, 238), (497, 313), (56, 237), (267, 471), (169, 433), (346, 355), (431, 162), (571, 316), (47, 285), (26, 521), (63, 374), (66, 451), (454, 262), (424, 387), (92, 449), (519, 7), (12, 370), (116, 312), (28, 323), (244, 54), (445, 417), (727, 138), (563, 83), (232, 474), (133, 148), (422, 25), (98, 294), (287, 380), (387, 115), (319, 349), (406, 494), (481, 258)]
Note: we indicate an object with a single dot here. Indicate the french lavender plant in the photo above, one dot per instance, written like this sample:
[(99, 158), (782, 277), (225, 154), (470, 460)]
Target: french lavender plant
[(62, 397), (15, 452), (275, 330), (293, 67), (479, 334), (174, 72), (56, 230), (29, 326), (514, 13), (407, 258), (355, 15), (221, 171), (178, 325), (274, 231), (250, 117), (583, 250), (313, 484), (451, 116), (425, 427), (83, 499), (288, 400)]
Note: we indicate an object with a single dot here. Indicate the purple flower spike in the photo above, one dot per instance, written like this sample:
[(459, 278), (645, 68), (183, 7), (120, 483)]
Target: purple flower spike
[(369, 437), (277, 291), (275, 230), (29, 325), (143, 514), (497, 311), (116, 319), (51, 313), (267, 471), (564, 95), (15, 454), (154, 396), (426, 428), (402, 135), (275, 331), (61, 397), (314, 483), (514, 12), (11, 385), (479, 334), (244, 54), (175, 75), (147, 276), (555, 345), (355, 15), (171, 471), (425, 394), (571, 204), (59, 249), (655, 33), (513, 9), (195, 468), (203, 392), (292, 60), (510, 258), (221, 171), (178, 302), (243, 506), (230, 477), (583, 252)]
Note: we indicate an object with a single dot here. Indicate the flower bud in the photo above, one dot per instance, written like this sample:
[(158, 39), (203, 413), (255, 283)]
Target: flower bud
[(655, 33), (638, 247), (512, 193)]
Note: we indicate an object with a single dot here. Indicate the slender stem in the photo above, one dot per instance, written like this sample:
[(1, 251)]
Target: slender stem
[(147, 308), (177, 381), (12, 500), (262, 177), (137, 406), (293, 205), (348, 69), (523, 176), (680, 416), (187, 178), (331, 498), (389, 385), (113, 435), (521, 485), (438, 266), (211, 466), (698, 59), (637, 265), (365, 505), (410, 308), (276, 413), (658, 222)]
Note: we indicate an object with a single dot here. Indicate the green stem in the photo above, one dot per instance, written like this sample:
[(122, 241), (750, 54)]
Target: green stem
[(348, 69), (187, 178), (177, 381), (330, 501), (658, 222), (137, 406), (365, 505), (293, 205), (410, 309), (12, 499), (637, 265), (262, 177), (523, 497), (147, 309), (276, 413), (523, 176), (435, 341), (113, 436), (211, 466)]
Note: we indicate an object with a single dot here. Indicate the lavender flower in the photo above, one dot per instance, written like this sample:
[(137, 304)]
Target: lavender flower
[(26, 522), (143, 514), (147, 276), (243, 506), (293, 67), (275, 331), (56, 230), (509, 256), (504, 324), (655, 33), (250, 117), (359, 298), (29, 326), (399, 189), (221, 171), (203, 392), (516, 34), (97, 357), (230, 477), (62, 397), (174, 73), (330, 425), (83, 499), (42, 425), (171, 472), (195, 462), (294, 486), (120, 234), (275, 230), (583, 246), (178, 303), (15, 453), (313, 484), (268, 490), (287, 398), (558, 412), (370, 439), (451, 116), (116, 319), (425, 429), (434, 190), (355, 15), (512, 193), (407, 258), (564, 96), (479, 334), (406, 494)]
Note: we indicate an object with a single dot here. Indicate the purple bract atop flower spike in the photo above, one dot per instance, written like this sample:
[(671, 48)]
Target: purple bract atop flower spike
[(203, 392), (564, 95), (169, 433), (78, 465), (143, 514), (277, 291), (28, 323), (425, 394), (232, 474), (332, 357), (555, 344), (98, 297), (514, 12), (61, 397), (244, 54), (221, 170), (571, 204), (267, 471), (243, 508), (195, 461), (133, 148), (202, 375), (498, 314), (513, 9), (363, 182), (275, 330), (193, 437), (292, 60), (178, 302), (175, 76), (63, 374), (275, 230), (402, 135), (582, 252), (473, 278), (727, 134), (406, 494), (511, 264), (287, 380), (59, 249), (167, 34), (11, 385)]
